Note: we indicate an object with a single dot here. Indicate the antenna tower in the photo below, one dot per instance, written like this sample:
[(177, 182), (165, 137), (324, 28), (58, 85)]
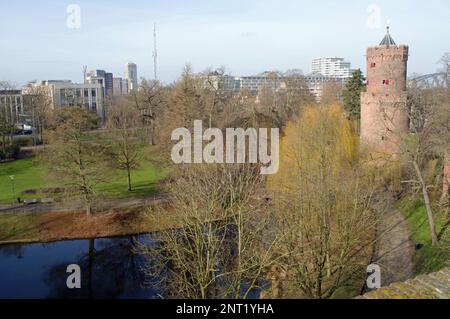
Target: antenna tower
[(155, 53)]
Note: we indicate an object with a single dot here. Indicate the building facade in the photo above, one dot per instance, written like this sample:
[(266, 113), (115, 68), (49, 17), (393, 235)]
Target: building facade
[(272, 80), (255, 83), (105, 79), (132, 76), (120, 87), (316, 83), (332, 67), (66, 94), (109, 85), (11, 106), (384, 118)]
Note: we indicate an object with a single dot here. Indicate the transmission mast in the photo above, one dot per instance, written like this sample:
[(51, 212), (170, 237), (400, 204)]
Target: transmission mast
[(155, 53)]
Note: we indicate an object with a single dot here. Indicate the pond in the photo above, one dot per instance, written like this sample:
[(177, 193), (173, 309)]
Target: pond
[(110, 268)]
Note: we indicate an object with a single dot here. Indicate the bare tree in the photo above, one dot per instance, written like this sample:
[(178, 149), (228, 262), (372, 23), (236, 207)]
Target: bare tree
[(332, 93), (281, 99), (8, 116), (428, 139), (223, 248), (185, 104), (76, 161), (298, 95), (214, 91), (151, 102), (125, 148), (445, 62), (37, 103)]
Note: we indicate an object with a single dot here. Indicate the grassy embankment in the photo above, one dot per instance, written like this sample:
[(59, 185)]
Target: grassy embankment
[(30, 174), (48, 227), (427, 259)]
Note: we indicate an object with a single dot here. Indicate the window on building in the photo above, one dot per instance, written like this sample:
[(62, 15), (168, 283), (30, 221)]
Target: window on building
[(373, 65)]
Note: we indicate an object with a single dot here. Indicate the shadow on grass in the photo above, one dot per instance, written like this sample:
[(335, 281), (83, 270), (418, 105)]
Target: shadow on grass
[(139, 190)]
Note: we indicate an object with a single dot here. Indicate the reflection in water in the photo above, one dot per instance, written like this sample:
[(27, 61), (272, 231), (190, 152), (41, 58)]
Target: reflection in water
[(110, 268)]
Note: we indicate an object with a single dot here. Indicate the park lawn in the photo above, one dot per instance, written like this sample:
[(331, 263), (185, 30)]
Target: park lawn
[(428, 259), (144, 183), (29, 174)]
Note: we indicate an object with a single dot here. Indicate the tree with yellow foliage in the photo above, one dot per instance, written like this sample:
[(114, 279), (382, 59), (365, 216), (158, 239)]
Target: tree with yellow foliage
[(323, 199)]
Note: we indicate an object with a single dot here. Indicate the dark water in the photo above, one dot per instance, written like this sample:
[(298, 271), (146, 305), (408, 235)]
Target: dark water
[(110, 268)]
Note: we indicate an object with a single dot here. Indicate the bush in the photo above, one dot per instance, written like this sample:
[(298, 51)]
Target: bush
[(24, 141), (10, 152)]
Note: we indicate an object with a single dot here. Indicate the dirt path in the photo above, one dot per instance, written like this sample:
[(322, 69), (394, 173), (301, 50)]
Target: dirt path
[(394, 249), (101, 205)]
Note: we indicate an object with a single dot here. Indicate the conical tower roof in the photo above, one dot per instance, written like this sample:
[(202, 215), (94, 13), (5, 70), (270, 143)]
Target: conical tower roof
[(387, 40)]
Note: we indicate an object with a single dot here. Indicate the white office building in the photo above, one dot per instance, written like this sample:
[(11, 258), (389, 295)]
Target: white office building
[(64, 93), (332, 67), (256, 82), (272, 80)]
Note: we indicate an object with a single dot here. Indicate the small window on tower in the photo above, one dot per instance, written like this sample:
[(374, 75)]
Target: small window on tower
[(384, 81)]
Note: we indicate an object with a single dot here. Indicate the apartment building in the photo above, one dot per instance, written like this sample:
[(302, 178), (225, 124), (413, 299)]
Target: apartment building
[(332, 67)]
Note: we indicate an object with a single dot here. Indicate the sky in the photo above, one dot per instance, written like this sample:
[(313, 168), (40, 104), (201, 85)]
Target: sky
[(46, 39)]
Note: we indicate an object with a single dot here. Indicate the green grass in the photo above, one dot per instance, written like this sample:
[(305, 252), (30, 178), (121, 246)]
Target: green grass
[(14, 224), (429, 258), (30, 174), (27, 175), (143, 183)]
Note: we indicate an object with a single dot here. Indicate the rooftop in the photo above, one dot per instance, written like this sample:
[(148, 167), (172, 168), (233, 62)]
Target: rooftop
[(387, 40)]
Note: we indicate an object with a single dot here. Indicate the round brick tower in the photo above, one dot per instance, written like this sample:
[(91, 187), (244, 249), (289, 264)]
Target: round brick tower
[(383, 106)]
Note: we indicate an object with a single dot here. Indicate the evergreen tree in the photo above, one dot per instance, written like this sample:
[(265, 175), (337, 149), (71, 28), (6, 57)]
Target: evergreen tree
[(352, 95)]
